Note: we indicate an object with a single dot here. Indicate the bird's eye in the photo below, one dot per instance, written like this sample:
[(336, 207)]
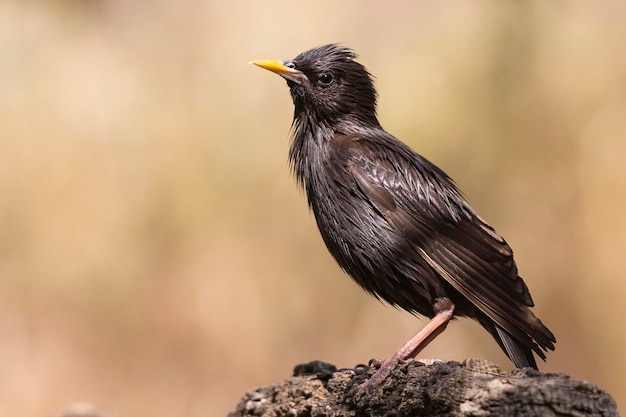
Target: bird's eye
[(325, 79)]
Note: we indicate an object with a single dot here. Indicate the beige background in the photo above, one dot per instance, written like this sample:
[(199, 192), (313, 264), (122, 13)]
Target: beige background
[(156, 257)]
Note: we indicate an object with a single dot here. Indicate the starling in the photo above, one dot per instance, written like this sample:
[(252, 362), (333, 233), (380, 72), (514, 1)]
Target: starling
[(395, 222)]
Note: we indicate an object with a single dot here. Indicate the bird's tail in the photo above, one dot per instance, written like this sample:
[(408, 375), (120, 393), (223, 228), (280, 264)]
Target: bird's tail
[(521, 351), (522, 356)]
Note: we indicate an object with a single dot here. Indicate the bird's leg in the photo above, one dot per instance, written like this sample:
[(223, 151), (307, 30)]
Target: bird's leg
[(444, 309)]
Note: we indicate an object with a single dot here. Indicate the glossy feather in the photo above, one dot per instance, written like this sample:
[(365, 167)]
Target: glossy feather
[(395, 222)]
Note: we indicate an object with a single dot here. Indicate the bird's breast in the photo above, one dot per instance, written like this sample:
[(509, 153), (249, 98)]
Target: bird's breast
[(376, 255)]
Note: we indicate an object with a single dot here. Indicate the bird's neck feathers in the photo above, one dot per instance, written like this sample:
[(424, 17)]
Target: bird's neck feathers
[(306, 154), (311, 139)]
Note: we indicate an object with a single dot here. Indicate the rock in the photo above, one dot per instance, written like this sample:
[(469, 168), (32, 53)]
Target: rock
[(472, 388)]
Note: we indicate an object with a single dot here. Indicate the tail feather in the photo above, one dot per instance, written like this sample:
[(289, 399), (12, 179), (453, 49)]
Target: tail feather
[(520, 352), (522, 356)]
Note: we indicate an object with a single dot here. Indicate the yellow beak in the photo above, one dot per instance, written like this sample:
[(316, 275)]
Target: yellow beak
[(279, 67)]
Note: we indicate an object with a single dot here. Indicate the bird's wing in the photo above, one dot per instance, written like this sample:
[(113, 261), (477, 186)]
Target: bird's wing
[(423, 204)]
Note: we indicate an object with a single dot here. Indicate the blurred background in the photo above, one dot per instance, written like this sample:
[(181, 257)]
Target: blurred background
[(156, 257)]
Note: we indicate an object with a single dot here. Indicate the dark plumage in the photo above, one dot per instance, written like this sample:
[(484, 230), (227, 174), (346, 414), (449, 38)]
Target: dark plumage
[(395, 222)]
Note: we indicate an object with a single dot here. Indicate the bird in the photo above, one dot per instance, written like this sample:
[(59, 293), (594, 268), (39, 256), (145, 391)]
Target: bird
[(395, 222)]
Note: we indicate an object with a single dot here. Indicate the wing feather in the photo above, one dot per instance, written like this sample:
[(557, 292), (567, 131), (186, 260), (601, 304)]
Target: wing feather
[(424, 205)]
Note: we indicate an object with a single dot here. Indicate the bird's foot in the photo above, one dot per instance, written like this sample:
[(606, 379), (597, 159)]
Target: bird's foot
[(376, 362), (384, 370), (411, 348)]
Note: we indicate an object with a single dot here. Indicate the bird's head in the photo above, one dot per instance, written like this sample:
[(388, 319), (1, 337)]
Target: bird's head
[(326, 83)]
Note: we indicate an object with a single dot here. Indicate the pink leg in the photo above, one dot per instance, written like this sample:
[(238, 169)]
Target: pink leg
[(412, 347)]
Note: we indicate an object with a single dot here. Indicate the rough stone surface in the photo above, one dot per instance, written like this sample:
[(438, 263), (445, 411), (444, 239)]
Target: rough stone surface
[(472, 388)]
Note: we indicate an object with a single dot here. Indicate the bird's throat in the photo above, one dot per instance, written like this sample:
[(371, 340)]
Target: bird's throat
[(307, 152)]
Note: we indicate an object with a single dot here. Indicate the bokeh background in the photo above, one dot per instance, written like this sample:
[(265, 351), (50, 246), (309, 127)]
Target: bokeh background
[(156, 257)]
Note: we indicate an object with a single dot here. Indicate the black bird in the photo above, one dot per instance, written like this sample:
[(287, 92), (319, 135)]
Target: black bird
[(395, 222)]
